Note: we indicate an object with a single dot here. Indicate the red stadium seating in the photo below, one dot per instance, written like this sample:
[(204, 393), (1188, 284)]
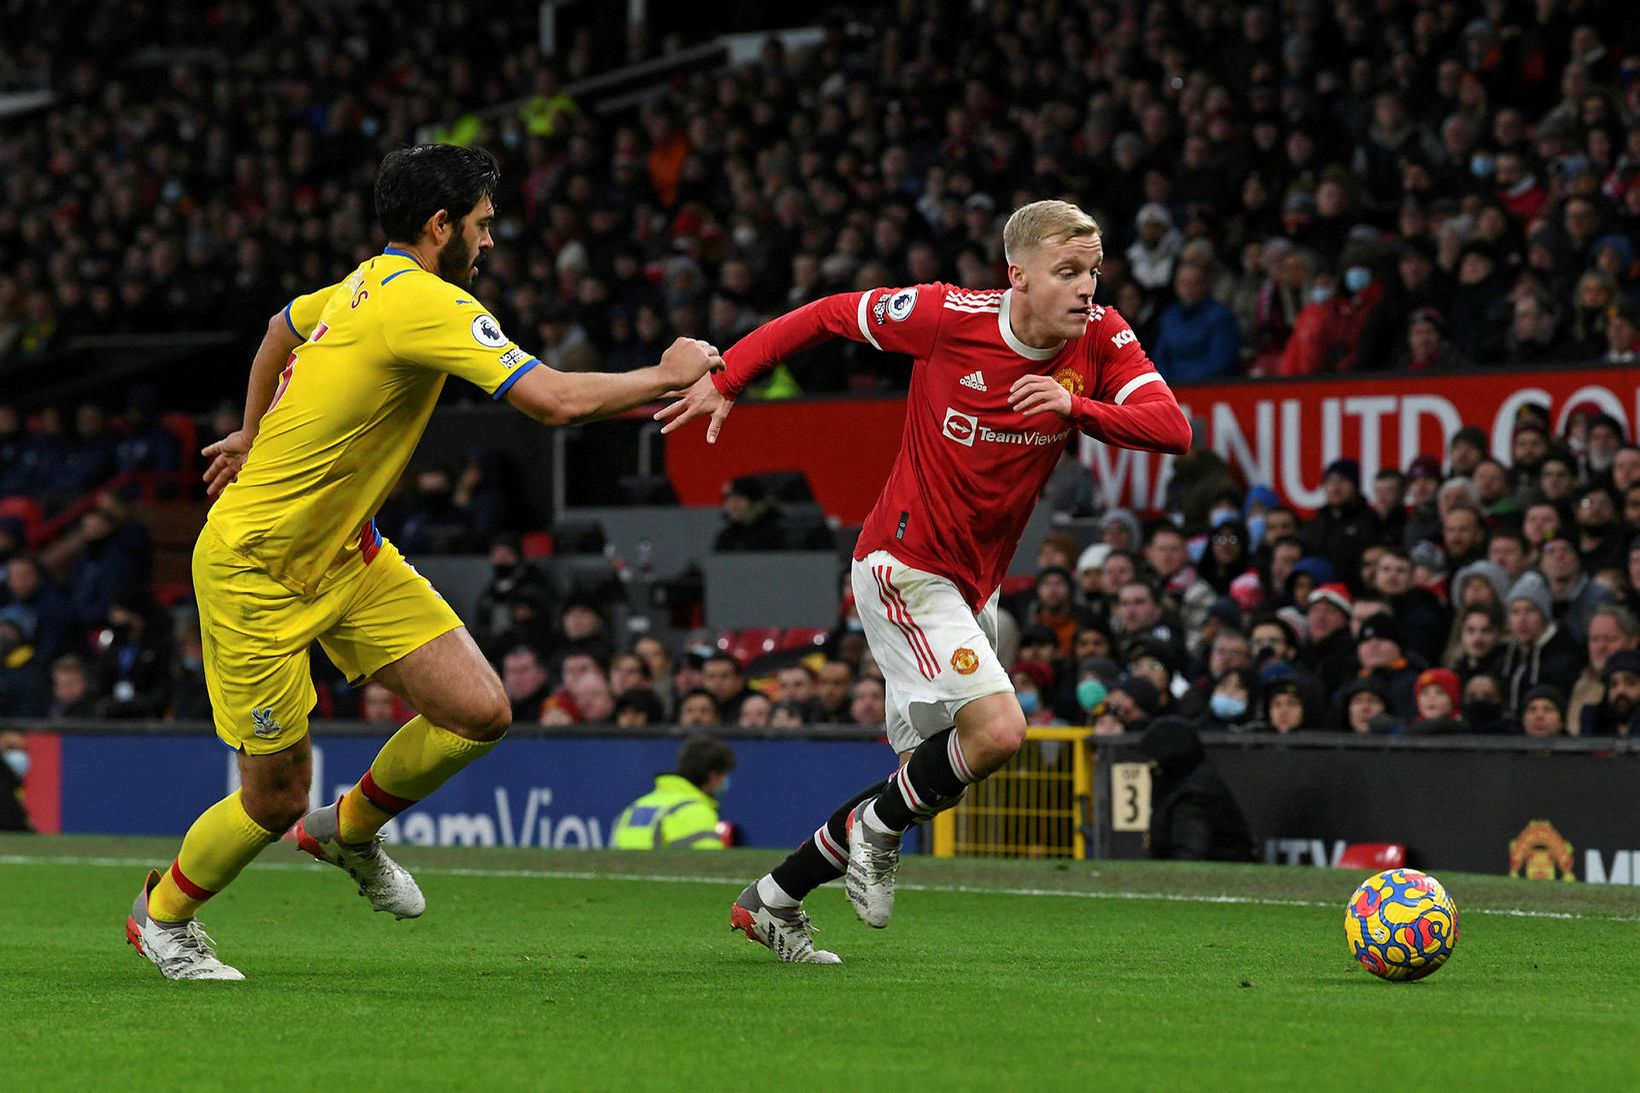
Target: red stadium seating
[(1374, 856)]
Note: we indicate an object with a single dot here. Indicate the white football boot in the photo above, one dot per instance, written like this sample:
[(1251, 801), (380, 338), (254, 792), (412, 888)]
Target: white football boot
[(384, 882), (786, 933), (873, 857), (181, 950)]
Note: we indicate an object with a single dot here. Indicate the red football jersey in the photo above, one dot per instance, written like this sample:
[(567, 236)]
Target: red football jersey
[(970, 469)]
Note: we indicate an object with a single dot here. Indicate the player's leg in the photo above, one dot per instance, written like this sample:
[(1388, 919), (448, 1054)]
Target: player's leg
[(960, 704), (463, 714), (769, 910), (401, 633), (261, 691)]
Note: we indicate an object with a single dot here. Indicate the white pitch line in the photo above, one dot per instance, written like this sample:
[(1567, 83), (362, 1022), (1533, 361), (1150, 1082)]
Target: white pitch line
[(957, 889)]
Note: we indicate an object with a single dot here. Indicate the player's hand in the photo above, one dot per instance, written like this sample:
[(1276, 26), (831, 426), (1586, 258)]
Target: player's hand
[(687, 360), (227, 456), (701, 398), (1035, 394)]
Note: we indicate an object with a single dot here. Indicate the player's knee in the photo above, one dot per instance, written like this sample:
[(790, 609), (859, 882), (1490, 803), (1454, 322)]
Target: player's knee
[(487, 718), (276, 808), (1003, 738)]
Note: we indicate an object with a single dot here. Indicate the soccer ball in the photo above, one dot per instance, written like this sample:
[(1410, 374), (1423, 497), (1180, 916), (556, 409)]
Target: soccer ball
[(1401, 924)]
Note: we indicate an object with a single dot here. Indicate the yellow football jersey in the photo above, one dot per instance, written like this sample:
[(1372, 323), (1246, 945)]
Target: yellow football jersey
[(351, 405)]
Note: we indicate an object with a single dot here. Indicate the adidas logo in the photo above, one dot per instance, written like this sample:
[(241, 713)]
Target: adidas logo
[(975, 380)]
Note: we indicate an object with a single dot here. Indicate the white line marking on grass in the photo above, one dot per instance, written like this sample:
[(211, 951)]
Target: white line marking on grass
[(958, 889)]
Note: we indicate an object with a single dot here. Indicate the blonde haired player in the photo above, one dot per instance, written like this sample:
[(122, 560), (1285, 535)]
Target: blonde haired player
[(1002, 380), (340, 392)]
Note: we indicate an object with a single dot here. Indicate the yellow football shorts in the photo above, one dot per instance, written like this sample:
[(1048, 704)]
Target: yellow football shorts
[(255, 634)]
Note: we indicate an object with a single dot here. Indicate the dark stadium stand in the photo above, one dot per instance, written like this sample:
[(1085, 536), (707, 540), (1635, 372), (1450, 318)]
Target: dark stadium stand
[(1285, 191)]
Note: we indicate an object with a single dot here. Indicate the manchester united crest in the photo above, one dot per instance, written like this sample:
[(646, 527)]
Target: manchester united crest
[(965, 661), (1071, 380), (1540, 852)]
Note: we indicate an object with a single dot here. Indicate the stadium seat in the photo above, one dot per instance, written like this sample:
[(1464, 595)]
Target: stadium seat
[(1016, 586), (752, 642), (535, 544), (785, 486), (803, 637), (647, 489), (1374, 856), (186, 430), (172, 593), (27, 511), (578, 537)]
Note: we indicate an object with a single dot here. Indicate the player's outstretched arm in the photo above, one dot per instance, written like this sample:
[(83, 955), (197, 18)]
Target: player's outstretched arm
[(701, 398), (566, 398), (899, 325), (227, 455)]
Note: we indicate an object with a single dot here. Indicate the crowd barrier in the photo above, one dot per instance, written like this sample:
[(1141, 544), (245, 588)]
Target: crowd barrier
[(1564, 809), (1561, 809), (546, 788)]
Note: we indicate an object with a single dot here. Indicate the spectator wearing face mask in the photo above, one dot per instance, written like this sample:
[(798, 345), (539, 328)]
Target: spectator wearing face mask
[(1033, 681), (1233, 701), (13, 769)]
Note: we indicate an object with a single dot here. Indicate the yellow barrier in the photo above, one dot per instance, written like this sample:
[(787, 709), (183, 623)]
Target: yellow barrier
[(1038, 806)]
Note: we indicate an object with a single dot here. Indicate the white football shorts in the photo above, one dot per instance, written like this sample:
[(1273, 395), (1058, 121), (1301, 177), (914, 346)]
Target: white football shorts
[(937, 654)]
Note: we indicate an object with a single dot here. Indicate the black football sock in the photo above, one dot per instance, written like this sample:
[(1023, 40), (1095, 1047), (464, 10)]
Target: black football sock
[(823, 856), (930, 781)]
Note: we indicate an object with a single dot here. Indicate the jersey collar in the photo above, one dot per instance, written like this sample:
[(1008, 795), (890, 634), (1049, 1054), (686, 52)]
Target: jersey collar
[(1005, 326), (400, 252)]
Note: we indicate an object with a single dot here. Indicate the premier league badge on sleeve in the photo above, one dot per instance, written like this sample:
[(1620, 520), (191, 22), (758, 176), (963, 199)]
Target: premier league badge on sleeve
[(486, 331), (901, 304)]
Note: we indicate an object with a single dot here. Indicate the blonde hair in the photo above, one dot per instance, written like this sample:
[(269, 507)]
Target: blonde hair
[(1044, 222)]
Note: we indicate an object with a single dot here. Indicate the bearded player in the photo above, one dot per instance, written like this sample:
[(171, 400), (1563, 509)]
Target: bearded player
[(1003, 380), (340, 392)]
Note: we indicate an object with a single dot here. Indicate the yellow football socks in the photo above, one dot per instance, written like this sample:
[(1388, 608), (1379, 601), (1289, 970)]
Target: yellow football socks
[(220, 843), (414, 762)]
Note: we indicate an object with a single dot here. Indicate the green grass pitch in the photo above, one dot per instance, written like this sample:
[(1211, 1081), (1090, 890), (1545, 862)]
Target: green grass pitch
[(559, 970)]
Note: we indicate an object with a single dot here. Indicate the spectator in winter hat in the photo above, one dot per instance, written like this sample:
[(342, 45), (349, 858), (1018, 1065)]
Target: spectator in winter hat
[(1308, 574), (1119, 530), (1293, 702), (1480, 583), (1345, 523), (1129, 706), (1090, 565), (1330, 653), (1365, 708), (1619, 714), (1439, 695), (1538, 651), (1153, 253), (1379, 648), (1543, 711), (1469, 446), (1423, 481)]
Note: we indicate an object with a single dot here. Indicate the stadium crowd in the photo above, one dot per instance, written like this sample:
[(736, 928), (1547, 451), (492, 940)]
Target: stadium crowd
[(1285, 189), (1462, 594)]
